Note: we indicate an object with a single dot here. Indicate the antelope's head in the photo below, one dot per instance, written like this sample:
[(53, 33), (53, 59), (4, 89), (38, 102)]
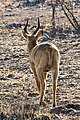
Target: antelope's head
[(32, 37)]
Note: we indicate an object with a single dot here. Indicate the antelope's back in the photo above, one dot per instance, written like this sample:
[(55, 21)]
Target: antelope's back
[(44, 53)]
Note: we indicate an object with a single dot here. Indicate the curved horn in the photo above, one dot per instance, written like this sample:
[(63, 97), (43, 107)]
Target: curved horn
[(25, 28), (37, 27)]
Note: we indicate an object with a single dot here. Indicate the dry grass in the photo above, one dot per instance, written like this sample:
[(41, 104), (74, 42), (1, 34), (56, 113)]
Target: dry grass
[(19, 98)]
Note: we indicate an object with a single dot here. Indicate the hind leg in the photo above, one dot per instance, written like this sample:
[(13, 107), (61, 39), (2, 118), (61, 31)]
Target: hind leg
[(44, 74), (36, 77), (41, 76), (55, 76)]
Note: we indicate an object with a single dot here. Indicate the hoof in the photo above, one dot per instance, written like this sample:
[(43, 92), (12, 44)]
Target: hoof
[(42, 103), (54, 105)]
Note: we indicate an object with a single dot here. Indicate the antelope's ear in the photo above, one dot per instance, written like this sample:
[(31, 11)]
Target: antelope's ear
[(39, 34), (26, 35)]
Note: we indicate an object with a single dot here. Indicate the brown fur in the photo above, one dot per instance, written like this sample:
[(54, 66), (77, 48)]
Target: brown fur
[(43, 58)]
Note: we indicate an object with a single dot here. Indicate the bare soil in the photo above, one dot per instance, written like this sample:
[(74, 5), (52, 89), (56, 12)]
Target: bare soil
[(19, 98)]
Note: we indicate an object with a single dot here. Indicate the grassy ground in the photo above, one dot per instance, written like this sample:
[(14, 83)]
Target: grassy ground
[(19, 98)]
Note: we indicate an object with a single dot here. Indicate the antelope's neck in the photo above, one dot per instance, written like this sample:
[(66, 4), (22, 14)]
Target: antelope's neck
[(31, 46)]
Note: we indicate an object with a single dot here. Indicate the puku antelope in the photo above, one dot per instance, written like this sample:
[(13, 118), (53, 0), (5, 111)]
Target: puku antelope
[(43, 58)]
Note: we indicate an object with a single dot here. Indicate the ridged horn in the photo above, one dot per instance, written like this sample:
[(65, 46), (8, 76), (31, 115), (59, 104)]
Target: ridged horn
[(37, 27)]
